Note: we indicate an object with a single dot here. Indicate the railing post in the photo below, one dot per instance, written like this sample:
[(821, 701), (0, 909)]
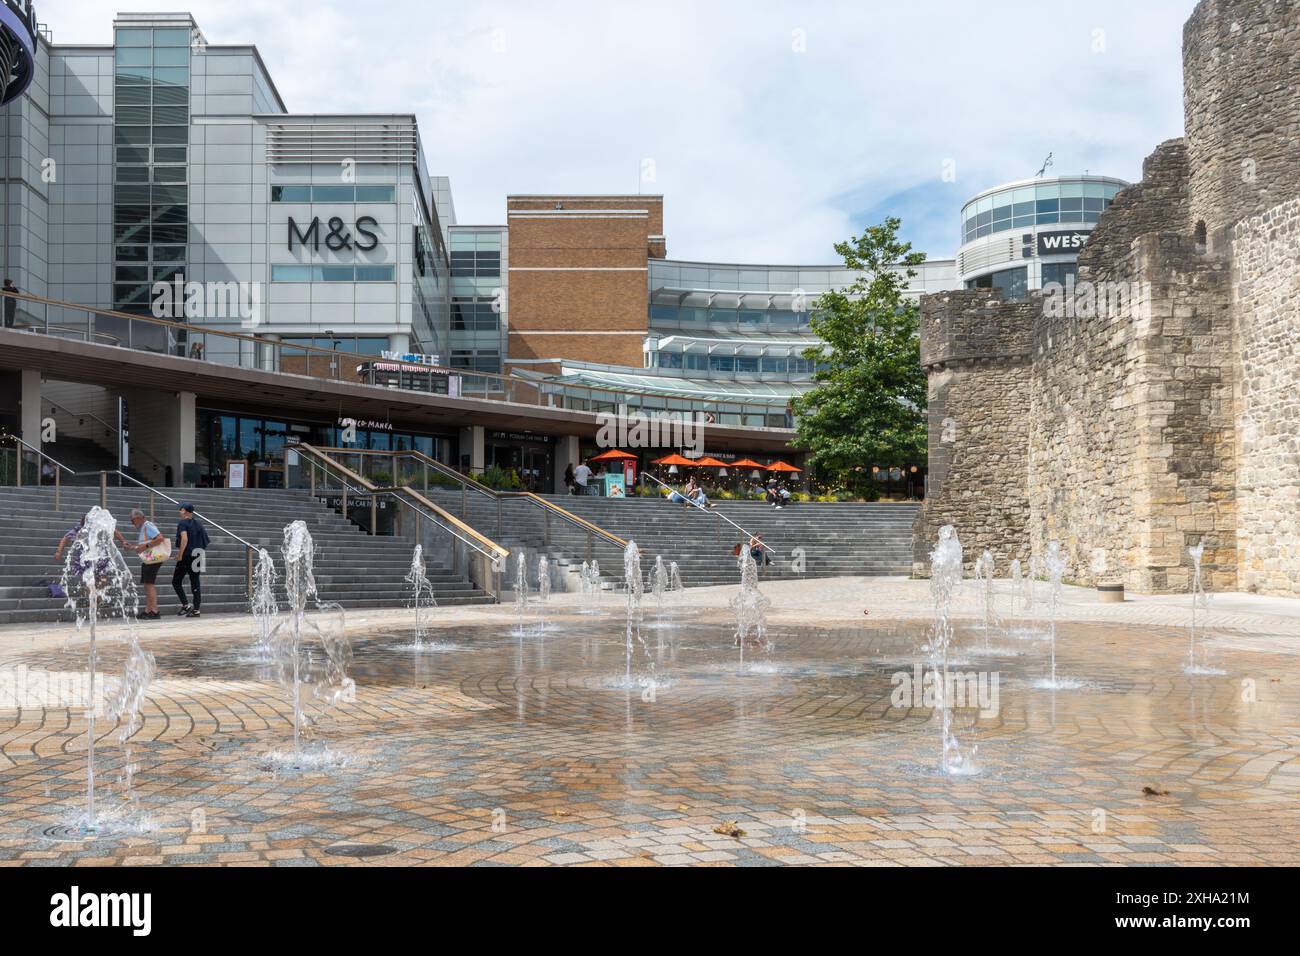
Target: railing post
[(103, 489), (374, 514)]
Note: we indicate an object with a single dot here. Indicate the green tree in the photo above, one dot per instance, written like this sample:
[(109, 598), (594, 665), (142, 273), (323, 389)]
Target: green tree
[(868, 404)]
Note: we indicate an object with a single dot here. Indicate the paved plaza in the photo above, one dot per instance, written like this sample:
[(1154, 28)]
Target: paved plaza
[(490, 748)]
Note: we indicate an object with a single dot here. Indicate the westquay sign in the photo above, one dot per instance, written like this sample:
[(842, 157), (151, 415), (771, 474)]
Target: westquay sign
[(1062, 242)]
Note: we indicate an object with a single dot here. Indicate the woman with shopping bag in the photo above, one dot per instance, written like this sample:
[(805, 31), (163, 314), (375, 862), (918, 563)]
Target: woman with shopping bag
[(154, 548)]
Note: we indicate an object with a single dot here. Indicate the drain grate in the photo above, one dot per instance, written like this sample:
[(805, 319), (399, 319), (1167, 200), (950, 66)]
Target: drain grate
[(62, 832), (360, 849)]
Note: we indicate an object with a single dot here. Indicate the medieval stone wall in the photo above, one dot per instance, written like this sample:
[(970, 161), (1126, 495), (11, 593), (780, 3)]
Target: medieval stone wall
[(976, 349), (1241, 99), (1266, 252)]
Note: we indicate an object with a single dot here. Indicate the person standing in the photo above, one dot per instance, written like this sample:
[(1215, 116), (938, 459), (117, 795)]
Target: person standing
[(568, 479), (581, 475), (191, 537), (151, 547), (11, 305)]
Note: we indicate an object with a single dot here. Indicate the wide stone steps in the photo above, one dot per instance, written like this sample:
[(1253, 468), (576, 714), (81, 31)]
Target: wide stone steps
[(352, 568)]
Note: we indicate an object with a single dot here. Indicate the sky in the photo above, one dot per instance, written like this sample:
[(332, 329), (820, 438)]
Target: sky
[(772, 129)]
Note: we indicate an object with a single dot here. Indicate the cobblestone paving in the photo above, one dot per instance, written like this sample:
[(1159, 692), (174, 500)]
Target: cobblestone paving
[(495, 750)]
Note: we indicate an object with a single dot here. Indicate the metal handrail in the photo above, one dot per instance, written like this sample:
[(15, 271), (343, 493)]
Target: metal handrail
[(336, 358), (716, 514), (361, 486), (468, 481), (250, 549), (135, 450)]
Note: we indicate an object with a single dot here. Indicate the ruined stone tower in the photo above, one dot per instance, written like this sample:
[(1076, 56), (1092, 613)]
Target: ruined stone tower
[(1162, 408)]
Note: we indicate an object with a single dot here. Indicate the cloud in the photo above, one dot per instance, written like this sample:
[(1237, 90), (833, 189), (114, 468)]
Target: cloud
[(774, 129)]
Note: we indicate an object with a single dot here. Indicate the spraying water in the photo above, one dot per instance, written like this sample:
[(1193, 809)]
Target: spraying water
[(543, 590), (326, 676), (635, 592), (945, 575), (1055, 566), (264, 604), (421, 593), (675, 585), (750, 605), (984, 567), (660, 584), (521, 592), (1200, 613), (99, 586)]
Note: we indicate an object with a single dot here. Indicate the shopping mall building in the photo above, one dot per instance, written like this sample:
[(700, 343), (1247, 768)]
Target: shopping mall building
[(296, 272)]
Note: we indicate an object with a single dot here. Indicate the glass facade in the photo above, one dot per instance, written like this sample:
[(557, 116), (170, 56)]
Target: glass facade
[(477, 302), (150, 172), (1014, 283), (1036, 205)]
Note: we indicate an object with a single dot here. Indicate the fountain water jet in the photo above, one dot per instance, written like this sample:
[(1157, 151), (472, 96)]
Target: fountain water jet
[(421, 593), (945, 575), (635, 592), (95, 569), (1200, 613), (750, 605), (1054, 563), (327, 679), (543, 590), (264, 604), (521, 592)]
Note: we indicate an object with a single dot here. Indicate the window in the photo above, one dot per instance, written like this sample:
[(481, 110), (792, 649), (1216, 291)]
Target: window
[(332, 193), (296, 273), (472, 263)]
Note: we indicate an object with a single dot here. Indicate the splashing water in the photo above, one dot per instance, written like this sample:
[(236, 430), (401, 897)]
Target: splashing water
[(421, 593), (945, 575), (635, 586), (984, 568), (265, 606), (1054, 563), (675, 585), (100, 587), (1196, 630), (326, 677), (543, 590), (750, 605), (659, 585), (521, 592)]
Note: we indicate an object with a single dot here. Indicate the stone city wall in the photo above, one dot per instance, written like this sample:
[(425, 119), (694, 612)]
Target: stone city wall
[(1266, 251)]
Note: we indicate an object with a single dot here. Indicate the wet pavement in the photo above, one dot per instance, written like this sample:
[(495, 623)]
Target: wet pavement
[(484, 747)]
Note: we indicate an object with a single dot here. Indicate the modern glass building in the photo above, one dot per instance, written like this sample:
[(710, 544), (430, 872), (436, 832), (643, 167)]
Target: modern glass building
[(176, 160), (1023, 235)]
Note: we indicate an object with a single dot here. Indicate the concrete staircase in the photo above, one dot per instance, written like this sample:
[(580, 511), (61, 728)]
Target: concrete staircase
[(353, 568), (836, 538)]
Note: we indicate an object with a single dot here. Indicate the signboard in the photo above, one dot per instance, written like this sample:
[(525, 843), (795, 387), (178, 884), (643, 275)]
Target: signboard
[(415, 358), (236, 474), (614, 487), (1064, 242), (629, 473)]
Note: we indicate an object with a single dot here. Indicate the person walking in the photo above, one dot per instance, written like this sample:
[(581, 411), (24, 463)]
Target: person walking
[(191, 537), (153, 549)]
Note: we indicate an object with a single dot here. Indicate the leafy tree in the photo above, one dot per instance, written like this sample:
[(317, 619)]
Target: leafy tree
[(868, 405)]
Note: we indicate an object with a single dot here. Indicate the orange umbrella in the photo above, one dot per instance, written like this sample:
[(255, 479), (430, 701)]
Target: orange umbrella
[(746, 463), (614, 455), (782, 466), (707, 462), (673, 459)]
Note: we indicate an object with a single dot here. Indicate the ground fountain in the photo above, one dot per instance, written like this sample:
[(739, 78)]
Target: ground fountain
[(296, 638), (984, 568), (635, 586), (945, 576), (1196, 629), (99, 588), (265, 606), (750, 606), (675, 585), (543, 590), (421, 593), (1054, 566), (590, 585), (521, 593)]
